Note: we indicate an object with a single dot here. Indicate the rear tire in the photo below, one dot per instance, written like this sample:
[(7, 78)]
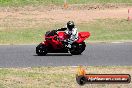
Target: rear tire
[(41, 50)]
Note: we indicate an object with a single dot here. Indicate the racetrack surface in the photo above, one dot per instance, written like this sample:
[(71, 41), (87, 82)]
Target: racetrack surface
[(95, 55)]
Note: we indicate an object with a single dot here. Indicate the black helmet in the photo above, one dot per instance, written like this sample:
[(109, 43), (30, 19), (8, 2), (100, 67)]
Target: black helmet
[(70, 25)]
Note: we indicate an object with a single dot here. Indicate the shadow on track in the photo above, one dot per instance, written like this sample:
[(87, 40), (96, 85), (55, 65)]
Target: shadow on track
[(56, 55)]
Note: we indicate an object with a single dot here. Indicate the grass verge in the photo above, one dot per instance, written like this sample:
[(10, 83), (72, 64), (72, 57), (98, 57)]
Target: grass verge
[(57, 2), (107, 30), (56, 77)]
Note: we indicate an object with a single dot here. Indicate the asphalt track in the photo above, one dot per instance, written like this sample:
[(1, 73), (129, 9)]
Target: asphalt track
[(94, 55)]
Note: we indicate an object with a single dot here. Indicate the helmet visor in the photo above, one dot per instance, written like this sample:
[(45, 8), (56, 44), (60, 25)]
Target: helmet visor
[(70, 27)]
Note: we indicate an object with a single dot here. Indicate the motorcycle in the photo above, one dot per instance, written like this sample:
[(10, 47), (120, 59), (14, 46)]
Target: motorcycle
[(55, 42)]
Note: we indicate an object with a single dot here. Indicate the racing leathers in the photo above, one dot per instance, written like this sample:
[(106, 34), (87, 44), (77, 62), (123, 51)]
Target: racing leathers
[(73, 36)]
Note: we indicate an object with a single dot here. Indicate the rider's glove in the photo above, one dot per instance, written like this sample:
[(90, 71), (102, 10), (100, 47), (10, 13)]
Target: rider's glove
[(65, 40)]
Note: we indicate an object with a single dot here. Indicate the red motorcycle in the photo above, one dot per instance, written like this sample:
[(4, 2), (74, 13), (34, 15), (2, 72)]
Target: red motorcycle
[(55, 43)]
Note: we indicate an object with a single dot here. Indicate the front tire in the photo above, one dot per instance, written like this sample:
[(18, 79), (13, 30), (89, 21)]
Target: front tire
[(41, 50), (77, 49)]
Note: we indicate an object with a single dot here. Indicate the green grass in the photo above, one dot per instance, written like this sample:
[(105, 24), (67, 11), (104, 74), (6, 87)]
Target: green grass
[(56, 77), (101, 30), (18, 35), (28, 2), (108, 30), (57, 2), (98, 1)]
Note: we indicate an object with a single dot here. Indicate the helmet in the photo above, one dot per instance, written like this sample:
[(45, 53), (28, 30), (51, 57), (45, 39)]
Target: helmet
[(70, 25)]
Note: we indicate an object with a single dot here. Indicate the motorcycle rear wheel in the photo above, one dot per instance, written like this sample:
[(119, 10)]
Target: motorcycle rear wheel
[(41, 50)]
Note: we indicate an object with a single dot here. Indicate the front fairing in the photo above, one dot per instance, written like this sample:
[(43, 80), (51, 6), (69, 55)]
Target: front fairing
[(82, 36)]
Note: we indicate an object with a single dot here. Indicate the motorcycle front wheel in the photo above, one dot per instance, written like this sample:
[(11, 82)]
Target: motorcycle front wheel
[(77, 49)]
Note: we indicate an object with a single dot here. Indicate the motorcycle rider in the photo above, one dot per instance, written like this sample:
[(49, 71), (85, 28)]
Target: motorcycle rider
[(72, 32)]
